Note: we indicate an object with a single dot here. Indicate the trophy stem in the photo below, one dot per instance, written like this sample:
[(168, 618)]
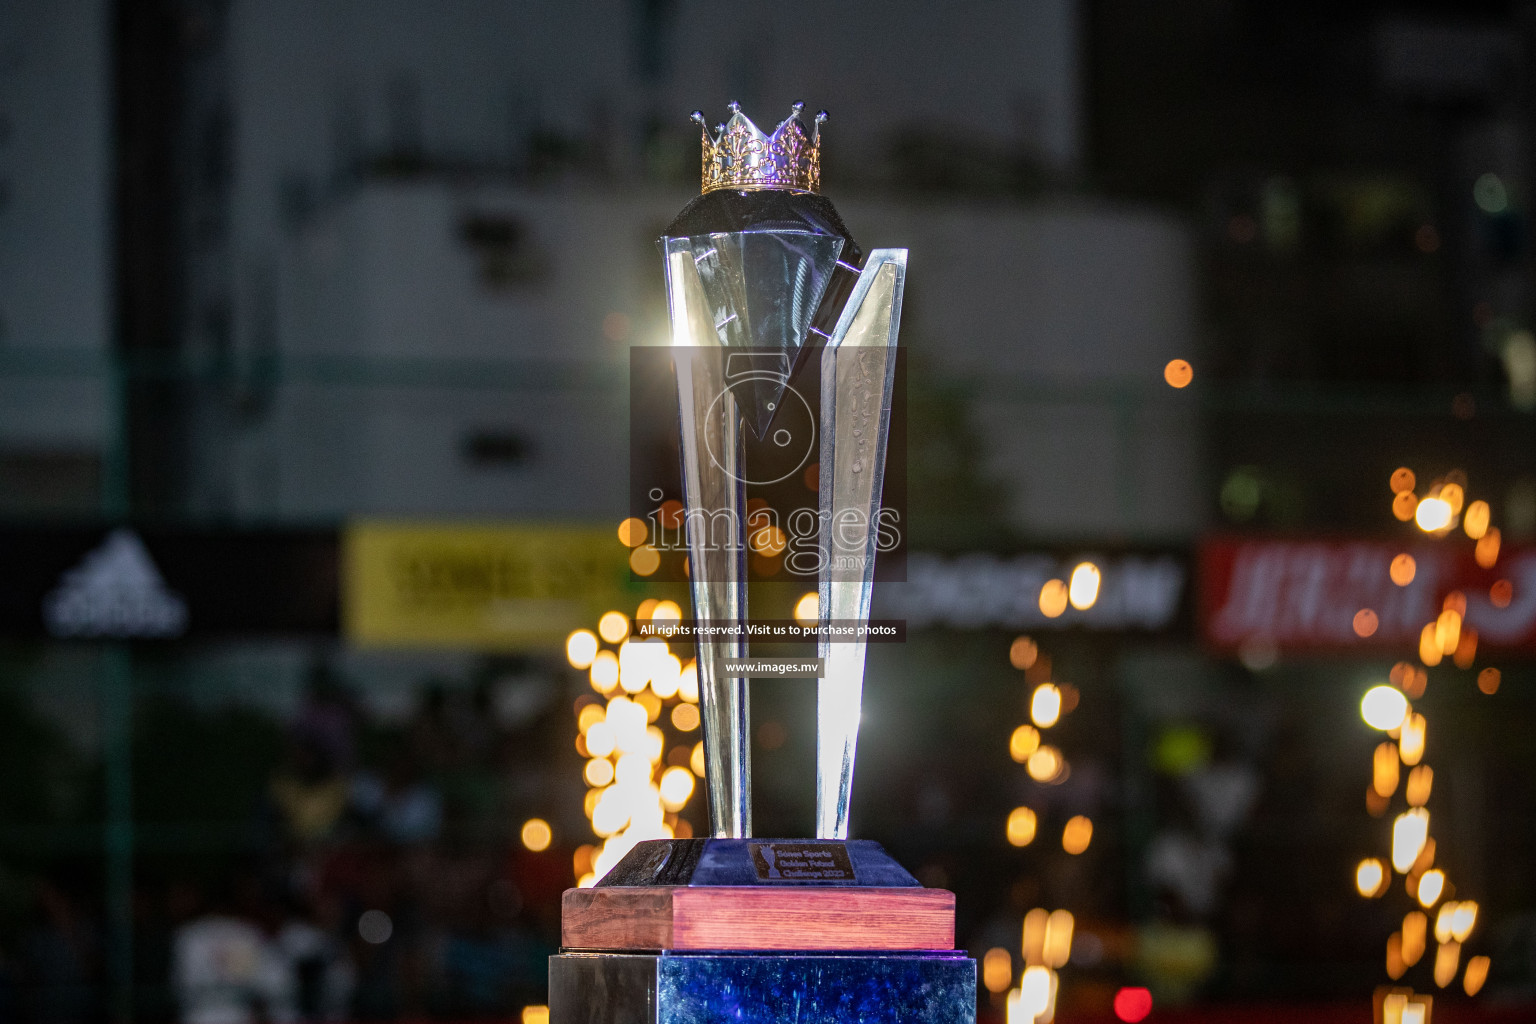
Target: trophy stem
[(839, 697), (715, 523), (858, 371), (727, 751)]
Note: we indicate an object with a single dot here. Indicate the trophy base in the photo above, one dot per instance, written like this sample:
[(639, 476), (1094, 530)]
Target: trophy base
[(935, 987), (756, 917), (752, 931), (757, 894)]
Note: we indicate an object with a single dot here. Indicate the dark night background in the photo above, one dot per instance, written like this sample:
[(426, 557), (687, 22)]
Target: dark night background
[(271, 270)]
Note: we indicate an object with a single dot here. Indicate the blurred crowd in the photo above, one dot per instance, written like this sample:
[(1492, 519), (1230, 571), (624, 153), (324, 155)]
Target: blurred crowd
[(376, 887)]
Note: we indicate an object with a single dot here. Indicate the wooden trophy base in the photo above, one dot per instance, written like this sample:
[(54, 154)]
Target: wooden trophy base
[(757, 917)]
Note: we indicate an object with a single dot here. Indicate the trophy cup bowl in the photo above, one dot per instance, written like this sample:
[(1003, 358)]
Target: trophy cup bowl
[(761, 273)]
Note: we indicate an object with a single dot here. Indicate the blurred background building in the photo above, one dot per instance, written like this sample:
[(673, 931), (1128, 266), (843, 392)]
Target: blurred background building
[(277, 279)]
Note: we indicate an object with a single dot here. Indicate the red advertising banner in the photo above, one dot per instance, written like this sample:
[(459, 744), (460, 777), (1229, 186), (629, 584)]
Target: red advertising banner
[(1305, 594)]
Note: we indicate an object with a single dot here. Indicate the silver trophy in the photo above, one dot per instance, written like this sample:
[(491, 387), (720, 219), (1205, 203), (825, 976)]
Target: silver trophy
[(760, 273)]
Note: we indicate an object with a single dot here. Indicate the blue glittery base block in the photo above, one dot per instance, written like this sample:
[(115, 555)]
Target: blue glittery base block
[(759, 988)]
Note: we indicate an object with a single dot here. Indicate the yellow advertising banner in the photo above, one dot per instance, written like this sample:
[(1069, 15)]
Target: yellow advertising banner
[(479, 587)]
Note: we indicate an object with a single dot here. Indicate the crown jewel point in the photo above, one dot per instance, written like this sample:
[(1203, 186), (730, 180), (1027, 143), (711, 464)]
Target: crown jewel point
[(741, 156)]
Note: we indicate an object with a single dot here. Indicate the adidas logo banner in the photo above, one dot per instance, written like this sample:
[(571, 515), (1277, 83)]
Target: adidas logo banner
[(115, 592)]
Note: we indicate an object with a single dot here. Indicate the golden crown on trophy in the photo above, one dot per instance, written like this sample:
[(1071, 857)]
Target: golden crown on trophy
[(740, 156)]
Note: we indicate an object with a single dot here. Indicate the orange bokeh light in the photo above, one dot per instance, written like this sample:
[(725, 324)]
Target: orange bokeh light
[(1365, 622), (1178, 373)]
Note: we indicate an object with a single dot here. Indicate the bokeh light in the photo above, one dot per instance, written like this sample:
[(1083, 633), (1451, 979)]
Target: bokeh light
[(1409, 832), (644, 560), (1385, 767), (1463, 920), (1409, 678), (1035, 998), (1415, 936), (1487, 550), (1448, 630), (633, 532), (1023, 652), (1447, 958), (1021, 826), (997, 970), (536, 834), (1403, 569), (1383, 707), (1364, 623), (1476, 974), (1429, 646), (1045, 705), (1133, 1005), (1033, 942), (1056, 950), (581, 648), (598, 772), (666, 677), (600, 740), (1024, 741), (1431, 886), (1432, 515), (613, 626), (1053, 598), (1077, 834), (676, 788), (1083, 589), (685, 717), (1489, 193), (1178, 373), (1420, 782), (1370, 876), (605, 671), (1476, 520), (808, 609), (1410, 741), (1402, 480), (1045, 764), (1395, 964)]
